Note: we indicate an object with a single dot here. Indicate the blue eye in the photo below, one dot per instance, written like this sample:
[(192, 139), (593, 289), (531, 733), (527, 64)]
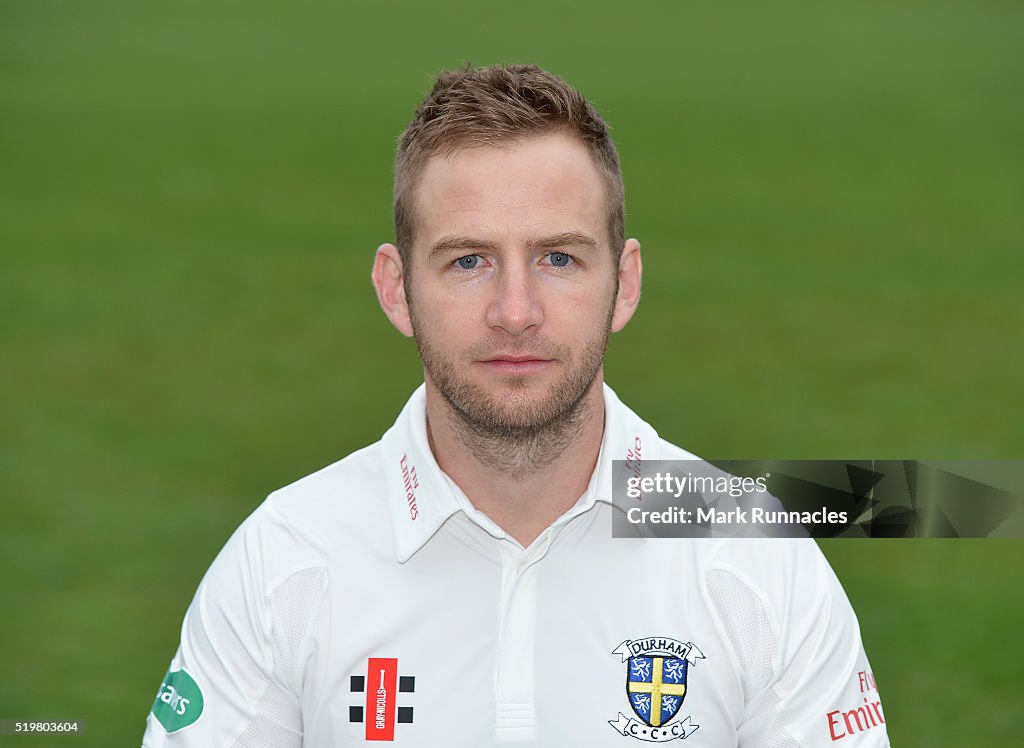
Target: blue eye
[(468, 262), (559, 259)]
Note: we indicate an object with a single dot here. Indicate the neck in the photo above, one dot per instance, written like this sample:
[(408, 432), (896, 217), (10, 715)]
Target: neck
[(522, 480)]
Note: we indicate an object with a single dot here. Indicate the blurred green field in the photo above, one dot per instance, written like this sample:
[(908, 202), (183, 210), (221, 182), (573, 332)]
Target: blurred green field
[(829, 199)]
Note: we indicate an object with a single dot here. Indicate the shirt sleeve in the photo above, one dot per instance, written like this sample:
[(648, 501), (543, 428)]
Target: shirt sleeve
[(806, 680), (236, 678)]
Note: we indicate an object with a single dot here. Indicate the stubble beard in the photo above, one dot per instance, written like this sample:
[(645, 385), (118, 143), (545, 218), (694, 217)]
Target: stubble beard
[(515, 435)]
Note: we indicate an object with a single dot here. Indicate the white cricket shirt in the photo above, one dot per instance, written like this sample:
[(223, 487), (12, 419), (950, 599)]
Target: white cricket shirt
[(370, 602)]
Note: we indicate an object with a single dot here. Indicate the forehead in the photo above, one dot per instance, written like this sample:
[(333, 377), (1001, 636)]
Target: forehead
[(539, 185)]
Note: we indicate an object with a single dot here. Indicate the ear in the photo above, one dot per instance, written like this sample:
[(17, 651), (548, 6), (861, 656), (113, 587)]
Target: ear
[(631, 270), (389, 283)]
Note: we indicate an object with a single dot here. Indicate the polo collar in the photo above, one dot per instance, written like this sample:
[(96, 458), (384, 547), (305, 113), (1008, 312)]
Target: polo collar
[(421, 497)]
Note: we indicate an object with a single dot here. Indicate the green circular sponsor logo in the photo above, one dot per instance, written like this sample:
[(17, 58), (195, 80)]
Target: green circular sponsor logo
[(179, 702)]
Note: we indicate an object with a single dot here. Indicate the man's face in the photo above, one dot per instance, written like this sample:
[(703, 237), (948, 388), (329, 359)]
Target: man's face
[(512, 284)]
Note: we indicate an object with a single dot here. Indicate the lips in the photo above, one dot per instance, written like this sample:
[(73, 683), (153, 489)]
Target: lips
[(516, 359), (516, 363)]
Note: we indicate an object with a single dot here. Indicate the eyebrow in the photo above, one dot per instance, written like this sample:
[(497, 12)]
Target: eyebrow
[(448, 244), (565, 239)]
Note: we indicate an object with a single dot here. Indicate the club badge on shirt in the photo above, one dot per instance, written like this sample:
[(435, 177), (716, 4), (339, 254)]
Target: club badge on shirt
[(656, 673)]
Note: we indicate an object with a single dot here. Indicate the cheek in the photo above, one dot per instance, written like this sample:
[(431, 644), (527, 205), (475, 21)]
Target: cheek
[(587, 306), (445, 315)]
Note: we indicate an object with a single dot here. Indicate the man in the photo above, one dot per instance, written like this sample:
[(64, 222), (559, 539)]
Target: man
[(456, 583)]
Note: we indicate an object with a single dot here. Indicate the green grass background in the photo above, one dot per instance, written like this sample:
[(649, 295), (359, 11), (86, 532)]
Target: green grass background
[(829, 199)]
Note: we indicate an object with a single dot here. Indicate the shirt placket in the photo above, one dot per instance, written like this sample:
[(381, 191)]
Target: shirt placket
[(515, 691)]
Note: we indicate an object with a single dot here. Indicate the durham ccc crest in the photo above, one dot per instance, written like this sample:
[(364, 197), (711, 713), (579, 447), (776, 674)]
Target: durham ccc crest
[(656, 671)]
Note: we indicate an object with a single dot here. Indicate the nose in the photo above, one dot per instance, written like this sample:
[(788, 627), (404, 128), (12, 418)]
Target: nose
[(515, 306)]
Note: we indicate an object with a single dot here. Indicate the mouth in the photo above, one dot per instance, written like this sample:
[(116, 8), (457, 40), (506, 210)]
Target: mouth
[(516, 363)]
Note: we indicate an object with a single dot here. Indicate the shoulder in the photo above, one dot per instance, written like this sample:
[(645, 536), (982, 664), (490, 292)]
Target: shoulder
[(788, 584), (360, 475), (785, 573), (293, 528), (666, 450), (350, 491)]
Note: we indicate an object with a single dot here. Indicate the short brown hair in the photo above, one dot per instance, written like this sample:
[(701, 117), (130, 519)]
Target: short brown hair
[(492, 105)]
